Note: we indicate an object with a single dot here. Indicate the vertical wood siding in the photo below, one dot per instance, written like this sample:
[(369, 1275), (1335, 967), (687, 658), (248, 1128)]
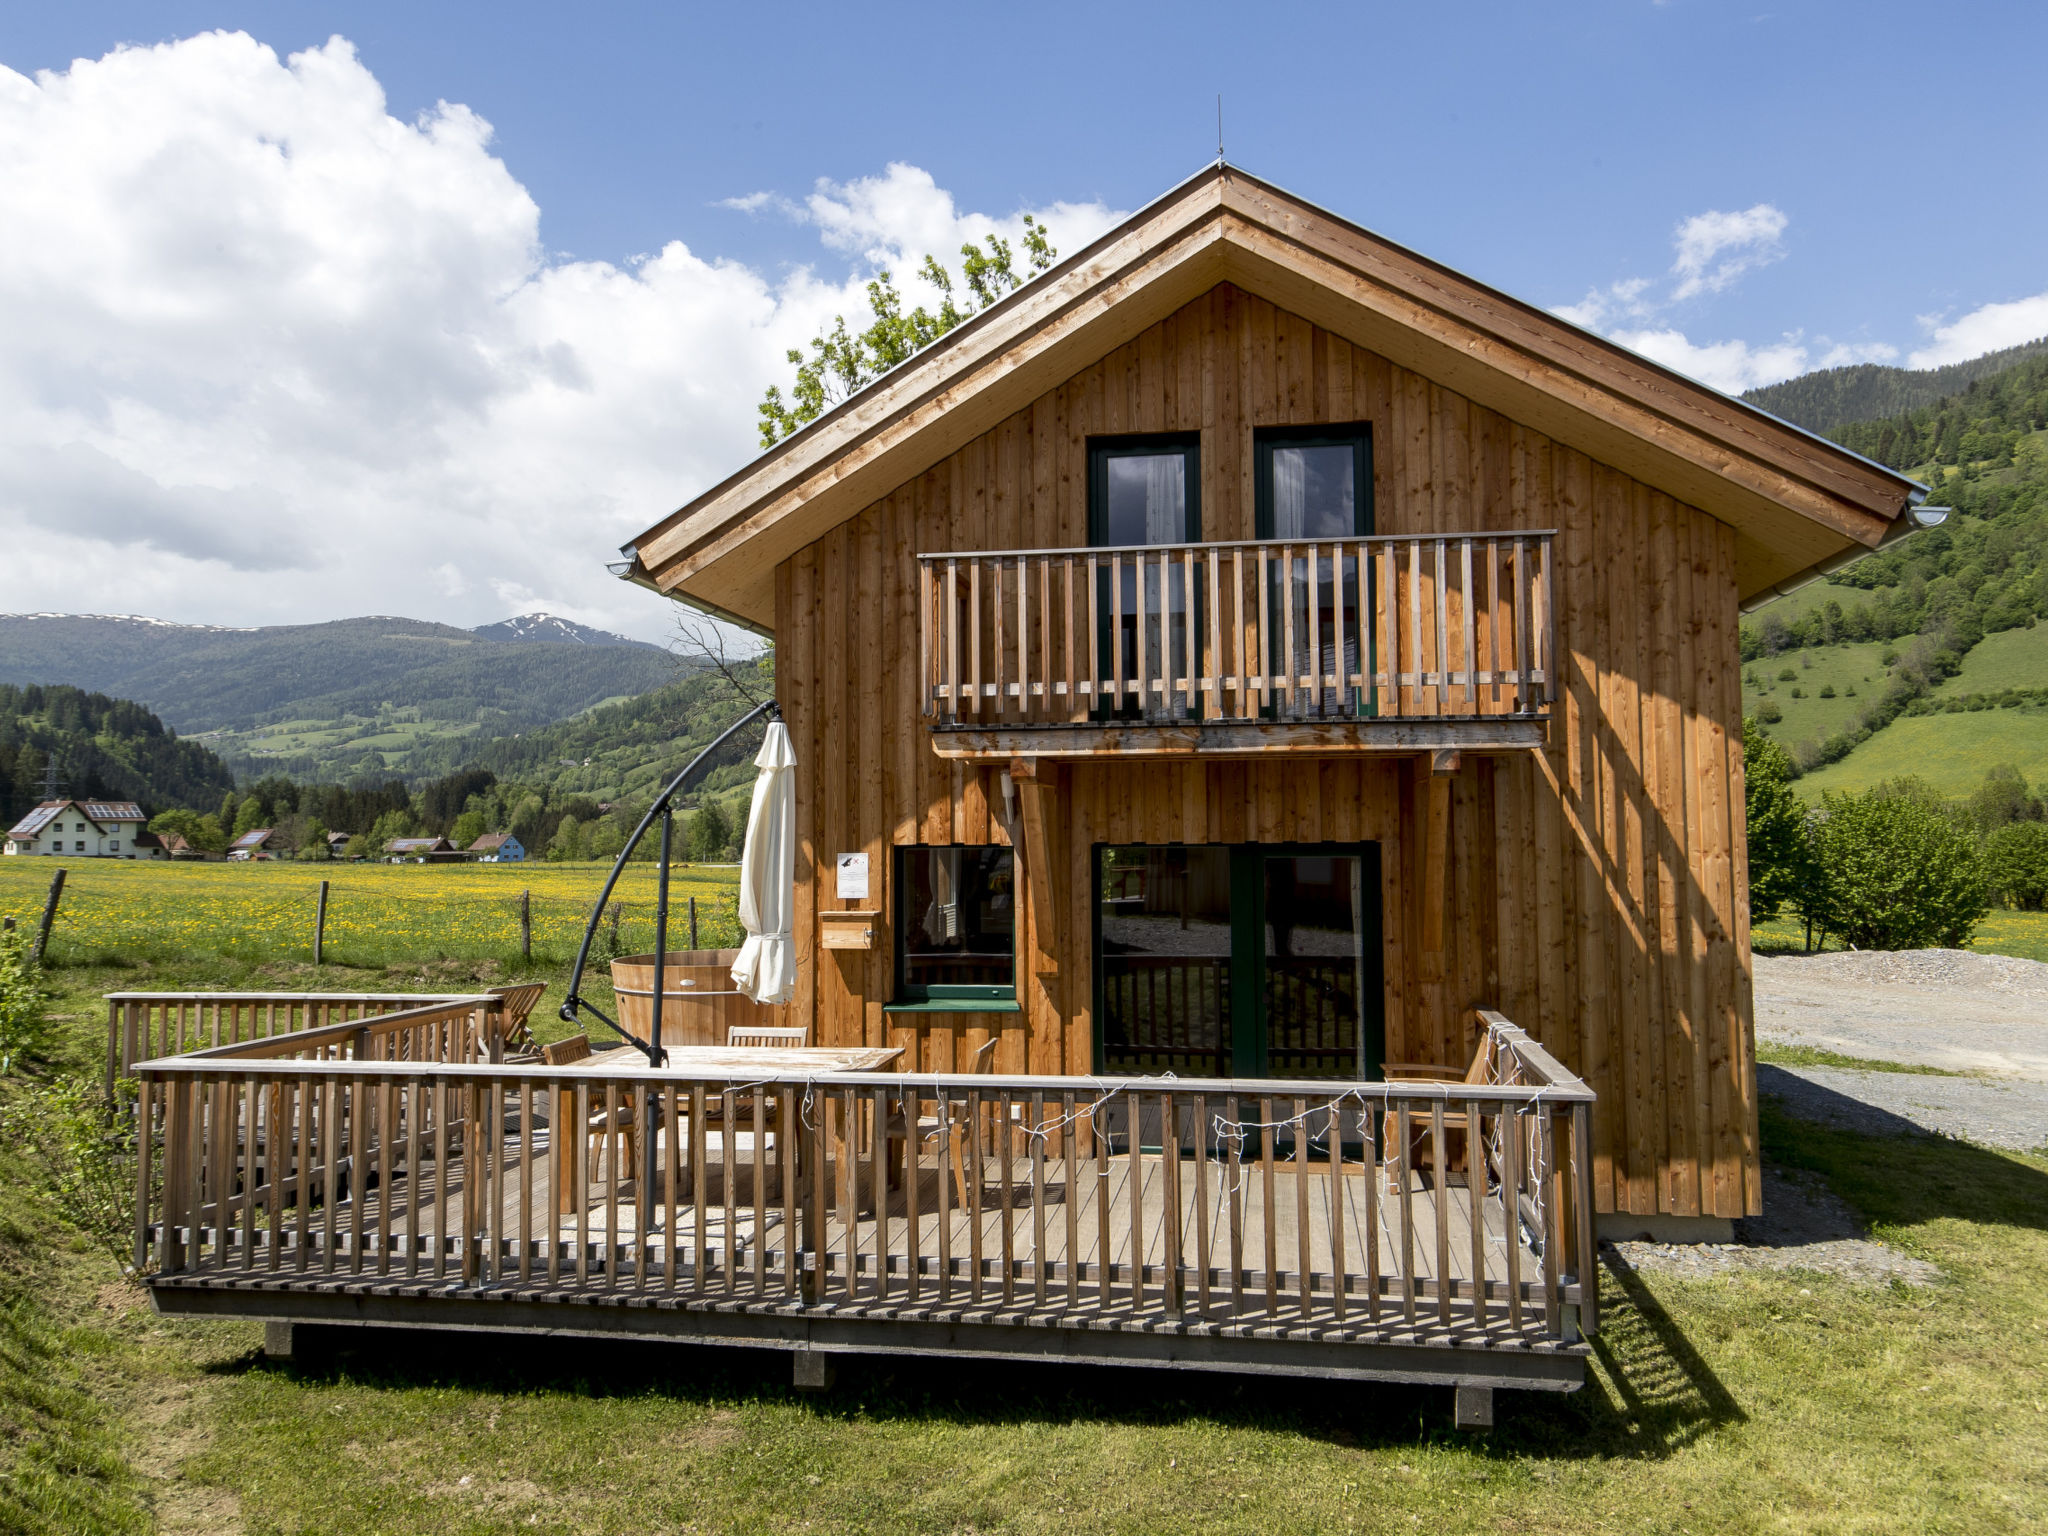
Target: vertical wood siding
[(1595, 889)]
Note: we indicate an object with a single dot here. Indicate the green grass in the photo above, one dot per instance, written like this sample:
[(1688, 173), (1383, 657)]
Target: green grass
[(1813, 718), (1950, 751), (2024, 934), (2012, 658), (1812, 1056)]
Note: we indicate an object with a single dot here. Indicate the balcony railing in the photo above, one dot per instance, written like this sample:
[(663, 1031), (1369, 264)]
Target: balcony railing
[(1444, 627)]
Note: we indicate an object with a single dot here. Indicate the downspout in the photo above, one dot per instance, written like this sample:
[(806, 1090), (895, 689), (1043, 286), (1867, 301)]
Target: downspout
[(1915, 518)]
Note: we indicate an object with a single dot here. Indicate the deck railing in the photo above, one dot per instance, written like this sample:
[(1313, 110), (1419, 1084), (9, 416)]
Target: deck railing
[(1443, 626), (145, 1024), (336, 1156)]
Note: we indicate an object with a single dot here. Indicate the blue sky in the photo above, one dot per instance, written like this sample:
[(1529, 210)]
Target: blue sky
[(1744, 190)]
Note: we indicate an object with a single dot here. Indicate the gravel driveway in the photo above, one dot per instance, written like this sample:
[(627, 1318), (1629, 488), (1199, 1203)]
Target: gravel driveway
[(1985, 1015)]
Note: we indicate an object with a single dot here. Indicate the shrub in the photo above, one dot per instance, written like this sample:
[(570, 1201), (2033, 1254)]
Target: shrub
[(2016, 864), (87, 1148), (1895, 869), (1768, 711), (24, 1026), (1798, 693), (1788, 675), (1827, 690), (1777, 823)]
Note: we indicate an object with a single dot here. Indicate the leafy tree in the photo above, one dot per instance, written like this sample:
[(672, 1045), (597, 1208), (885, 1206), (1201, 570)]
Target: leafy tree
[(392, 824), (570, 842), (2016, 864), (313, 844), (709, 833), (2004, 798), (843, 362), (606, 839), (1778, 849), (1896, 870), (469, 826), (227, 809), (250, 815)]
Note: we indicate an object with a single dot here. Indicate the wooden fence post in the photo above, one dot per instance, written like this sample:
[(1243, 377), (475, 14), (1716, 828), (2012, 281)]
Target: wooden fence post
[(526, 924), (617, 907), (320, 925), (693, 922), (49, 916)]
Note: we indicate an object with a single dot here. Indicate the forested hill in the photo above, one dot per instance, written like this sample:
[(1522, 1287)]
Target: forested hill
[(1945, 621), (1823, 401), (105, 749)]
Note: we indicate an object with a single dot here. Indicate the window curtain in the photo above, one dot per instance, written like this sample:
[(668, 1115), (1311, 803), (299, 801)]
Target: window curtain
[(1290, 493), (1166, 499)]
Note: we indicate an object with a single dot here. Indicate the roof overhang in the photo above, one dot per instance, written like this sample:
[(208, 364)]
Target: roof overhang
[(1793, 499)]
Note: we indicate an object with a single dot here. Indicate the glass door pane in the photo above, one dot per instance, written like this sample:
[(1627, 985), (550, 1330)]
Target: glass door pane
[(1164, 919), (1315, 966)]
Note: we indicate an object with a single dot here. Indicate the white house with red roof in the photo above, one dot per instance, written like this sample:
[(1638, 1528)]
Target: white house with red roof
[(90, 829)]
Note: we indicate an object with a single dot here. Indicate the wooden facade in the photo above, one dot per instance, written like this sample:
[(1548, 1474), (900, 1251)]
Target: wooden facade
[(1593, 889)]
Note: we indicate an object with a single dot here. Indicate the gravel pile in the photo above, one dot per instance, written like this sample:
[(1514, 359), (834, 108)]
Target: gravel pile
[(1803, 1227), (1911, 967)]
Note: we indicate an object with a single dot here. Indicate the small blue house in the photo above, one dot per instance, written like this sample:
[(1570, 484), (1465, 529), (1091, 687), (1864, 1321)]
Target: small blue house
[(498, 848)]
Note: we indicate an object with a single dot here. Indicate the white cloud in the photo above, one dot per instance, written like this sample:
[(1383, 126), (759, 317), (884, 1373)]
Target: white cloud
[(1985, 329), (1842, 354), (1729, 366), (265, 349), (1714, 249)]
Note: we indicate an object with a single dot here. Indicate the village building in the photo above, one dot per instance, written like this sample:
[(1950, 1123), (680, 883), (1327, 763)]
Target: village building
[(498, 848), (259, 843), (92, 829), (403, 850)]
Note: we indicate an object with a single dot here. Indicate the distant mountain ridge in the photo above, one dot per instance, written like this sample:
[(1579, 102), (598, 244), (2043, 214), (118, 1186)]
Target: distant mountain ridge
[(356, 694), (1835, 397), (548, 626)]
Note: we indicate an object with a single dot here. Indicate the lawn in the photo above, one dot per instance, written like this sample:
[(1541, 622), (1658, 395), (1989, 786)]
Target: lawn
[(2012, 658), (1951, 752), (1762, 1402), (1810, 717), (377, 914)]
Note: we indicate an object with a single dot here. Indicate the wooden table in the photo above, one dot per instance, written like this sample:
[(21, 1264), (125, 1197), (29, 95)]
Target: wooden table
[(701, 1061)]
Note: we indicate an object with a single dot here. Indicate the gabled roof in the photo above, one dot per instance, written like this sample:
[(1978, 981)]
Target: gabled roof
[(490, 842), (418, 844), (102, 813), (252, 839), (1794, 499)]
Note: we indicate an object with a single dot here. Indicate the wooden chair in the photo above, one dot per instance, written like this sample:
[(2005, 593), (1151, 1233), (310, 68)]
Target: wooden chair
[(742, 1035), (601, 1124), (952, 1124), (1419, 1154), (518, 1002)]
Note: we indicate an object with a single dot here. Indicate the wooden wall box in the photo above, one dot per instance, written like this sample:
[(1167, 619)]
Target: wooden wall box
[(849, 930)]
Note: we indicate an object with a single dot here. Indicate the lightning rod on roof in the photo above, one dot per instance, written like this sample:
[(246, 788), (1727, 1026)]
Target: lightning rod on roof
[(1219, 127)]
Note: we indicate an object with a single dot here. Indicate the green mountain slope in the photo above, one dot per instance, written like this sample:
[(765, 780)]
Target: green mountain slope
[(104, 749), (1939, 637), (336, 699), (1834, 397)]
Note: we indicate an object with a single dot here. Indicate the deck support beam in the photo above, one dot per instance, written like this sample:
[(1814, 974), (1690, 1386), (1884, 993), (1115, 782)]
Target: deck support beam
[(814, 1370), (1472, 1407), (277, 1340)]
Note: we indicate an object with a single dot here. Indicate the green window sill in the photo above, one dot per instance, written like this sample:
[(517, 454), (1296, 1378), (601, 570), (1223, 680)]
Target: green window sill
[(956, 1005)]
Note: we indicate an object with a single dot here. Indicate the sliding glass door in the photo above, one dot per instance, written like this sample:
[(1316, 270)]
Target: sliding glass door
[(1245, 961)]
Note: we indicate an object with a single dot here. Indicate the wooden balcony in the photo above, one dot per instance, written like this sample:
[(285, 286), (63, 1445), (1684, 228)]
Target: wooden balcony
[(377, 1171), (1272, 645)]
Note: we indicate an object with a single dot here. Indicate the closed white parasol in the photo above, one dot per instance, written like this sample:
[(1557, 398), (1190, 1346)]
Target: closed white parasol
[(766, 968)]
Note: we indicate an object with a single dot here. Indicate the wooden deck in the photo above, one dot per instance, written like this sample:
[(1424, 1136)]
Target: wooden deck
[(1252, 1226)]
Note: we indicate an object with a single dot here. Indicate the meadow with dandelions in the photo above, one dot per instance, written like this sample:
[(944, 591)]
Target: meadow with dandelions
[(113, 911)]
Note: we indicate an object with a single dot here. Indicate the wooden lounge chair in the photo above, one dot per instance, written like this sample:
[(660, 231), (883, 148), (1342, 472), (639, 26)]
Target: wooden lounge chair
[(1419, 1154), (601, 1124), (518, 1002), (952, 1124)]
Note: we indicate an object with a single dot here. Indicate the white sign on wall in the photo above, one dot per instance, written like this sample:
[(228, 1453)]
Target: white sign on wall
[(853, 877)]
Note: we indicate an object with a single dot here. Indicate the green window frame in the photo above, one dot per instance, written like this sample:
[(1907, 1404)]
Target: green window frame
[(989, 876)]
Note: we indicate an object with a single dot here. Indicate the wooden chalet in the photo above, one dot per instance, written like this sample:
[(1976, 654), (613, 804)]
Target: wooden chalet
[(1270, 870)]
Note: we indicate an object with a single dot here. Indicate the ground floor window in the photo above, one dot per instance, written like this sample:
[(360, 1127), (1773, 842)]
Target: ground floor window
[(956, 924), (1254, 960)]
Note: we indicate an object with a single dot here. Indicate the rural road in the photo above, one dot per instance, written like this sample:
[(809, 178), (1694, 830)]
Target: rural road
[(1986, 1015)]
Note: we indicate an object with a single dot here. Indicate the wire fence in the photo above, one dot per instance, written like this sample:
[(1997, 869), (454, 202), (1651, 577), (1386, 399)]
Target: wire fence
[(375, 914)]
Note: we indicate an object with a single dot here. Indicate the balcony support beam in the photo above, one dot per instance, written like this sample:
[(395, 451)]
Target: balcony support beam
[(1241, 738)]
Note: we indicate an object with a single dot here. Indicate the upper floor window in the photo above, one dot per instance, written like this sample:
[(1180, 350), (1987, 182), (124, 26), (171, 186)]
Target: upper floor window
[(956, 924), (1313, 482), (1145, 490)]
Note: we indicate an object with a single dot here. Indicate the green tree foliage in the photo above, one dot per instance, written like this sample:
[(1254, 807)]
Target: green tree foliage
[(392, 824), (86, 1146), (2016, 864), (469, 826), (2004, 797), (251, 814), (570, 842), (202, 832), (709, 834), (1835, 397), (843, 362), (104, 749), (313, 841), (1896, 868), (1778, 851)]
